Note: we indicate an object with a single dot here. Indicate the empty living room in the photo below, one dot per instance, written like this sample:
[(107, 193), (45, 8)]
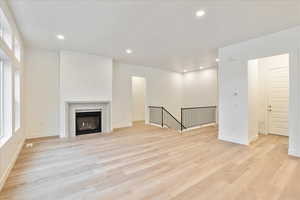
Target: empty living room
[(149, 100)]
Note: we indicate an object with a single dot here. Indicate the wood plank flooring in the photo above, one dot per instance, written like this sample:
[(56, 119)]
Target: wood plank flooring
[(149, 163)]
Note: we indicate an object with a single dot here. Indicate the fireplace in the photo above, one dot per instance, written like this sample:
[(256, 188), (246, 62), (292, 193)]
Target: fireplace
[(88, 122)]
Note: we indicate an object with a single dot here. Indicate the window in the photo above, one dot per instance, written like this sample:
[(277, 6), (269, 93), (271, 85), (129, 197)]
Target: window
[(17, 50), (6, 99), (5, 30), (10, 80), (17, 100)]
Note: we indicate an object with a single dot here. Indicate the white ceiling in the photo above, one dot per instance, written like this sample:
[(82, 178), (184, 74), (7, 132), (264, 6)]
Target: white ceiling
[(161, 33)]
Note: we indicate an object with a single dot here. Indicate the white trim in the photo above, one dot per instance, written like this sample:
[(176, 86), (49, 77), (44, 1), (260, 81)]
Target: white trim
[(253, 139), (4, 139), (232, 140), (17, 102), (293, 153), (11, 165), (152, 124), (125, 125), (41, 134), (200, 126)]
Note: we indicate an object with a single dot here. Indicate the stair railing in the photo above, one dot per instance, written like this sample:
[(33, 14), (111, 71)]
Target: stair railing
[(190, 117), (198, 116), (162, 117), (156, 115)]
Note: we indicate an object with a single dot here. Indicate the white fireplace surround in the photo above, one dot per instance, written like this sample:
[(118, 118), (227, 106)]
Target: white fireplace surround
[(70, 107)]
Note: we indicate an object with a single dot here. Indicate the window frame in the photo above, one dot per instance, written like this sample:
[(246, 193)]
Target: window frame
[(17, 49), (6, 32), (17, 100), (11, 55)]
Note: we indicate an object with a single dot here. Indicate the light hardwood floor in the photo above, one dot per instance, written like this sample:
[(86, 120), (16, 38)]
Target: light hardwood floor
[(146, 162)]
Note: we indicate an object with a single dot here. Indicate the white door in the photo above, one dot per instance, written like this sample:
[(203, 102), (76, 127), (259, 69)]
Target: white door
[(278, 95)]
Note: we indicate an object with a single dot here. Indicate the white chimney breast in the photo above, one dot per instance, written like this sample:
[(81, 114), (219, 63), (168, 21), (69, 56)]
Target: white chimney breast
[(84, 78)]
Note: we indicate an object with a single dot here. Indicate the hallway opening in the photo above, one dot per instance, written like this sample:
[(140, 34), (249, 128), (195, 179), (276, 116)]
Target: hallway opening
[(268, 96), (138, 99)]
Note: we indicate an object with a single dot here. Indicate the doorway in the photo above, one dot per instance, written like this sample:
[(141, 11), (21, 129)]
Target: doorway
[(268, 95), (138, 99)]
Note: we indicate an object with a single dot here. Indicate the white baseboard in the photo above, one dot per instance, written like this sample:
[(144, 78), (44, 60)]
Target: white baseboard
[(201, 126), (152, 124), (11, 165), (294, 153), (253, 139), (32, 136), (232, 140), (127, 125)]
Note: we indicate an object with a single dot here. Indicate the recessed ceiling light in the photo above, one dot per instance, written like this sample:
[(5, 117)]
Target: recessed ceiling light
[(60, 37), (217, 60), (184, 70), (128, 51), (201, 67), (200, 13)]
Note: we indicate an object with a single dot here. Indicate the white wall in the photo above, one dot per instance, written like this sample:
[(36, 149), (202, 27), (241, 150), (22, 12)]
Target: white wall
[(42, 93), (262, 97), (10, 147), (122, 114), (233, 89), (83, 77), (253, 99), (200, 88), (163, 88), (138, 98), (233, 118)]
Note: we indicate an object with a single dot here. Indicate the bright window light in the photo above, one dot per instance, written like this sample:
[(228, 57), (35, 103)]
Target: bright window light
[(17, 50), (5, 30), (6, 114)]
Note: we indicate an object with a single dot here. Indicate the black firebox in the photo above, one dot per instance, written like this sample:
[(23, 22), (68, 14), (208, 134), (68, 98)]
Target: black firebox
[(88, 122)]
